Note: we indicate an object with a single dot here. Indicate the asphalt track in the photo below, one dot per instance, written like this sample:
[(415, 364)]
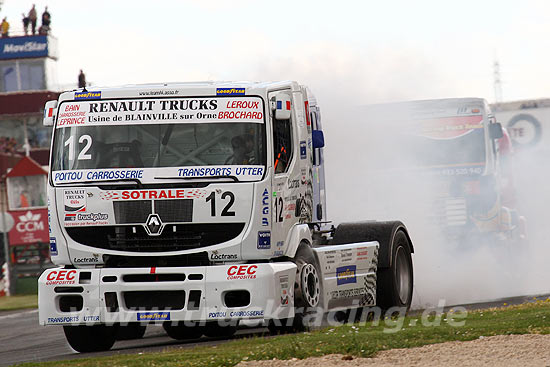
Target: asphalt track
[(23, 340)]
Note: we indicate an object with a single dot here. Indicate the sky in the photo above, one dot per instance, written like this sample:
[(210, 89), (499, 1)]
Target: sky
[(359, 51)]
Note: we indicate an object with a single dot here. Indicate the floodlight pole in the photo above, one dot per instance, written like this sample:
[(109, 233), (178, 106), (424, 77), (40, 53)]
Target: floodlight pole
[(7, 275)]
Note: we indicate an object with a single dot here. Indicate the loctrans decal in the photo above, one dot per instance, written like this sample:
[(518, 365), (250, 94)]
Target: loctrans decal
[(89, 110)]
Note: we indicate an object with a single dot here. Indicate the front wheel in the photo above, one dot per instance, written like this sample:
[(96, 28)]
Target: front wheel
[(395, 284), (133, 330), (181, 331), (308, 294), (213, 329), (94, 338)]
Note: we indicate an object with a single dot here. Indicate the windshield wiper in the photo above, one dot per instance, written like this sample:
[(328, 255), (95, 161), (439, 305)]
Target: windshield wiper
[(114, 182), (234, 178)]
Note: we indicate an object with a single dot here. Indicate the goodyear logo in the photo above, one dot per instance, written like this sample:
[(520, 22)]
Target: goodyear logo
[(87, 95), (230, 91), (346, 274), (153, 316)]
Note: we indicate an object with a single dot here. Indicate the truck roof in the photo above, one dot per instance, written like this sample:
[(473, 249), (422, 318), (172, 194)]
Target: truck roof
[(525, 104), (428, 108), (200, 88)]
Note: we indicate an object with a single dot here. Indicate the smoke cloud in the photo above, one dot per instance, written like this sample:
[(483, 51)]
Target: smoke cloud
[(355, 155)]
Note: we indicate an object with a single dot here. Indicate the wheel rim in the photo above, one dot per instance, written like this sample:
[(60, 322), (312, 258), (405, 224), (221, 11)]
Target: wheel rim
[(310, 285), (403, 275)]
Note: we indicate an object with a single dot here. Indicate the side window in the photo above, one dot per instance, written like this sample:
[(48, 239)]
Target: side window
[(282, 145)]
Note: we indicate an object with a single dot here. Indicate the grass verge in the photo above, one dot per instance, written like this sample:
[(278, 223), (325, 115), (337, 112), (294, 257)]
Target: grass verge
[(357, 340), (18, 302)]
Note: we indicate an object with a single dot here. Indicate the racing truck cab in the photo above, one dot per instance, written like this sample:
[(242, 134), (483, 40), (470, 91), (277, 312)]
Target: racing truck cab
[(195, 203)]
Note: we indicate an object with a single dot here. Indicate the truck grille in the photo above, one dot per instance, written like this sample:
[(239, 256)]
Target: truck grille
[(175, 211), (450, 212), (173, 238), (170, 211), (132, 211)]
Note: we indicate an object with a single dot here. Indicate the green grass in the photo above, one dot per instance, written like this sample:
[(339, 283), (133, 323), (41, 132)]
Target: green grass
[(356, 340), (18, 302)]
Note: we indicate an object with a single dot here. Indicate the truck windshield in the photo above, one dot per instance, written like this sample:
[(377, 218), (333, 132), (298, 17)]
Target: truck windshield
[(448, 141), (161, 138), (158, 145)]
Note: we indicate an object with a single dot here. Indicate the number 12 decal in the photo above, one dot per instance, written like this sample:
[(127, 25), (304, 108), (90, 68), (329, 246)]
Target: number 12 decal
[(225, 212), (279, 209), (82, 156)]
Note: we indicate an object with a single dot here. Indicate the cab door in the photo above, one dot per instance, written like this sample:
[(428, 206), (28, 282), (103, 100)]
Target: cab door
[(286, 171)]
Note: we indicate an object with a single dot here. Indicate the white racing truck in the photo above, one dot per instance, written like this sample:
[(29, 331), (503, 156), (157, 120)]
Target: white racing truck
[(199, 205)]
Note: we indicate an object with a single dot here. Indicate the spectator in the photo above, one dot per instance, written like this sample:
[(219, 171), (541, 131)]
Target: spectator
[(24, 199), (5, 26), (81, 80), (46, 18), (26, 24), (43, 30), (8, 145), (32, 18)]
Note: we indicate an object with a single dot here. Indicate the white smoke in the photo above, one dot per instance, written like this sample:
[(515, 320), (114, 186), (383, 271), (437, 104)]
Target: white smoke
[(343, 79)]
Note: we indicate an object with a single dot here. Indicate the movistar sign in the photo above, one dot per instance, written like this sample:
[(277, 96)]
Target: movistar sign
[(23, 47)]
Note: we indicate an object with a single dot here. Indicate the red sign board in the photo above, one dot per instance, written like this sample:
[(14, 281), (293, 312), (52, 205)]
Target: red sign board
[(31, 226)]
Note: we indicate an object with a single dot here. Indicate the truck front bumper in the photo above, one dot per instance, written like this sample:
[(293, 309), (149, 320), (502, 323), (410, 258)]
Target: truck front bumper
[(122, 295)]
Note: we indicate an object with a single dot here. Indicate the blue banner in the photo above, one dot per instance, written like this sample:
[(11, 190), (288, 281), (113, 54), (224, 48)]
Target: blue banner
[(23, 47)]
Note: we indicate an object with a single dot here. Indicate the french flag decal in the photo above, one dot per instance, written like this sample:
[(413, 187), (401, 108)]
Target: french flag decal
[(280, 105)]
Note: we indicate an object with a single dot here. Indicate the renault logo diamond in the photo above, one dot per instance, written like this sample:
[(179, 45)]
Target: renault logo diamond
[(153, 225)]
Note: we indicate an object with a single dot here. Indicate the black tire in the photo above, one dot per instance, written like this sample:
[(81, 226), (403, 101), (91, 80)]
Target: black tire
[(308, 294), (133, 330), (213, 329), (394, 285), (94, 338), (181, 331)]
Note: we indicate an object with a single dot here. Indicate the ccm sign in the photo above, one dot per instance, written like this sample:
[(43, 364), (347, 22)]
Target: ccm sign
[(31, 226)]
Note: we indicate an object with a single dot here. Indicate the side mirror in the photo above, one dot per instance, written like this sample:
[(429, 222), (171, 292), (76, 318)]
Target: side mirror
[(50, 110), (495, 130), (282, 106), (318, 139)]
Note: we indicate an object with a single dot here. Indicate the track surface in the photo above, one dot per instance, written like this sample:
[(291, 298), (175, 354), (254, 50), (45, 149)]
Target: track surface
[(23, 340)]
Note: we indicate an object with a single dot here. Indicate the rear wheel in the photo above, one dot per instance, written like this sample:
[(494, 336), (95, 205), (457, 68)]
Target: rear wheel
[(183, 330), (133, 330), (94, 338), (395, 284)]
